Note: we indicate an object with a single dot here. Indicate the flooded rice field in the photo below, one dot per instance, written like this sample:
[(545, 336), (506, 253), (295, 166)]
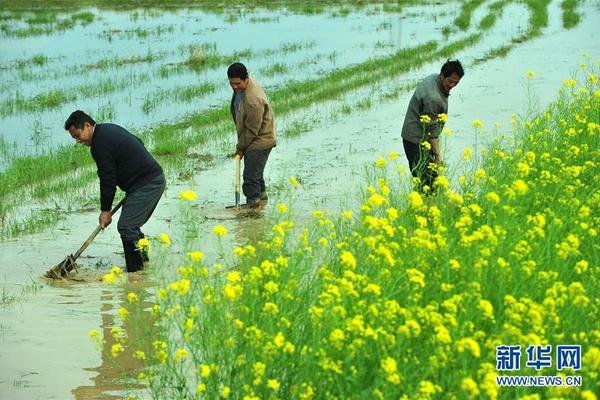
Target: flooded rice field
[(146, 67)]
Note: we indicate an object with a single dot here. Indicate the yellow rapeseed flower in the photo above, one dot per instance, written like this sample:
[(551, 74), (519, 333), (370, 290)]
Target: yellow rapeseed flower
[(442, 117), (520, 187), (415, 276), (392, 155), (273, 384), (470, 386), (389, 365), (279, 340), (143, 243), (282, 208), (425, 119), (220, 230), (164, 238), (530, 74), (232, 292), (468, 345), (477, 124), (123, 313), (467, 153), (225, 392), (195, 255), (347, 259), (493, 197), (180, 354), (204, 370), (188, 195), (415, 200), (454, 264), (441, 181), (116, 349), (380, 163), (294, 182)]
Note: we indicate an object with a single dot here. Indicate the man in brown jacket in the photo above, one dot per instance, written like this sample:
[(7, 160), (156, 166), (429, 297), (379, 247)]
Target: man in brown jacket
[(255, 124)]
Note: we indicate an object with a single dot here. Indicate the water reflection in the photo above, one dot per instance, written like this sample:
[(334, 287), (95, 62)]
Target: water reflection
[(115, 377)]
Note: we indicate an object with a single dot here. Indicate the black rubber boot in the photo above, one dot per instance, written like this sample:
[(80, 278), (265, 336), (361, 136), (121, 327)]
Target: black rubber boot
[(252, 203), (133, 256)]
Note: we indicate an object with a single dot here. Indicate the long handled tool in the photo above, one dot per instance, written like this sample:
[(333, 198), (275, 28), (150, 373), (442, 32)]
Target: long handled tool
[(237, 182), (68, 264)]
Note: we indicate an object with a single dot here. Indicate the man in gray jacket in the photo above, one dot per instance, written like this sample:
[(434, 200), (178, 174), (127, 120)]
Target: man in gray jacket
[(255, 125), (424, 121)]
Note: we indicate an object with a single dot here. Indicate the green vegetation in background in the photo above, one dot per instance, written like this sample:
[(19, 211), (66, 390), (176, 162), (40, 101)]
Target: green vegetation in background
[(570, 16), (180, 94), (170, 144), (215, 122), (463, 21), (312, 7), (42, 23), (55, 98), (495, 10)]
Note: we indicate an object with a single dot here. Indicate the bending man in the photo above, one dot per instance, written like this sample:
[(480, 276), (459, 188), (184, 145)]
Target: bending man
[(424, 121), (123, 161)]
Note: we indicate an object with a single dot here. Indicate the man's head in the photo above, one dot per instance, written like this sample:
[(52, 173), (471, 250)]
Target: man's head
[(81, 127), (451, 73), (238, 76)]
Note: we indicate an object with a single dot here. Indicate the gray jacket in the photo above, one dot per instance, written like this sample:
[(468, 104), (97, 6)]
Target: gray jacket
[(430, 99)]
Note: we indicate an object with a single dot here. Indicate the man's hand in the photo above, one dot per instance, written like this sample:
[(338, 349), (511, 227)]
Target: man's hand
[(237, 153), (105, 219)]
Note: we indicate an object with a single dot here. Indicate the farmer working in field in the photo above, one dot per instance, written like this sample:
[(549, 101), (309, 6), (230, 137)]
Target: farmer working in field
[(255, 126), (123, 161), (424, 121)]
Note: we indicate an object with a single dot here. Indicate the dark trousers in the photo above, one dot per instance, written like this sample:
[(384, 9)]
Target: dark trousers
[(419, 159), (138, 207), (254, 167)]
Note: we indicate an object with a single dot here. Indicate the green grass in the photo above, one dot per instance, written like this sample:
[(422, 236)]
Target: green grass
[(180, 94), (274, 69), (463, 21), (55, 98), (489, 20), (84, 17), (570, 16)]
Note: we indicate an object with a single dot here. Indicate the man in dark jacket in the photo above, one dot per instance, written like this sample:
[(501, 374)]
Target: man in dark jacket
[(123, 161), (424, 121), (255, 125)]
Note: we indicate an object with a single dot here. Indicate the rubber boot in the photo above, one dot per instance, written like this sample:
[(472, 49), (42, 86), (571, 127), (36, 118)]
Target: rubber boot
[(264, 196), (252, 203), (133, 256)]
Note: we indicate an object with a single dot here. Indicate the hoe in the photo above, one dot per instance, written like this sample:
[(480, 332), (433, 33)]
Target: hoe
[(63, 268)]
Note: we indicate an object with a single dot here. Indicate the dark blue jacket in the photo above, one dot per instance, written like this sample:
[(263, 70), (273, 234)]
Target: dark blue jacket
[(122, 161)]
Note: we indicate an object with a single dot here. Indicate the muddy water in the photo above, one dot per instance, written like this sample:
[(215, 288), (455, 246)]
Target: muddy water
[(326, 42), (44, 348)]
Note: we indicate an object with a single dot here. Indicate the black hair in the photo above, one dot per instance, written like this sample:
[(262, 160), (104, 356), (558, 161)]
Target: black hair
[(451, 67), (237, 70), (78, 119)]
